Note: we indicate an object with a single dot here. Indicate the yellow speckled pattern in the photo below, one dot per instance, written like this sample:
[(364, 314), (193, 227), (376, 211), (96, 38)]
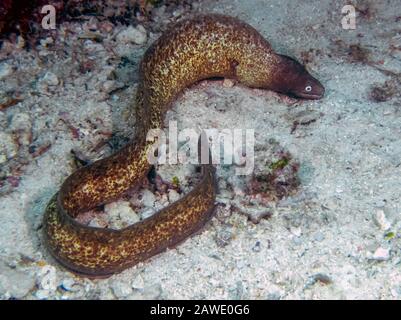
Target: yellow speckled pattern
[(191, 50)]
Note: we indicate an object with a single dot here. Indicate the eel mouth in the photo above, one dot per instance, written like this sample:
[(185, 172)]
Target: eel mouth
[(305, 96), (309, 96)]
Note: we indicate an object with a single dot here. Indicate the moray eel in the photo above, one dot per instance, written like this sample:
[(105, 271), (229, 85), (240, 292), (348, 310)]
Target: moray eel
[(191, 50)]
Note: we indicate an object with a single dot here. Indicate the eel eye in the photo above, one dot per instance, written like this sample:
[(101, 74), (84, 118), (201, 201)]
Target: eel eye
[(308, 88)]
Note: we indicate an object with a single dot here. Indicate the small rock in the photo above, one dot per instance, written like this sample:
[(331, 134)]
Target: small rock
[(297, 241), (46, 42), (223, 237), (256, 247), (129, 217), (42, 294), (173, 195), (320, 277), (380, 203), (121, 213), (48, 278), (147, 214), (20, 42), (98, 222), (223, 211), (106, 27), (133, 35), (110, 85), (8, 147), (296, 231), (121, 289), (241, 264), (148, 198), (228, 83), (255, 215), (50, 79), (163, 201), (381, 220), (21, 125), (138, 283), (67, 284), (319, 236), (179, 12), (381, 254), (5, 70)]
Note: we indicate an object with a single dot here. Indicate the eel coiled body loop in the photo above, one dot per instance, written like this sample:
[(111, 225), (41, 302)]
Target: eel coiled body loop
[(189, 51)]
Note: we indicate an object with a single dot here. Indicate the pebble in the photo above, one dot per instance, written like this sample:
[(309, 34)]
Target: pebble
[(319, 236), (20, 42), (297, 241), (133, 35), (8, 147), (296, 231), (159, 205), (173, 195), (129, 216), (223, 237), (228, 83), (110, 85), (138, 283), (48, 278), (98, 222), (67, 284), (46, 42), (168, 173), (121, 210), (147, 214), (21, 126), (380, 203), (5, 70), (381, 254), (164, 200), (179, 12), (121, 289), (42, 294), (106, 27), (148, 198), (223, 211), (255, 215), (3, 158), (50, 79), (321, 278), (256, 247), (381, 220)]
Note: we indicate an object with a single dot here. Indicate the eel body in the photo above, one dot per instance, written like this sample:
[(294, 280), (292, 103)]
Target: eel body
[(191, 50)]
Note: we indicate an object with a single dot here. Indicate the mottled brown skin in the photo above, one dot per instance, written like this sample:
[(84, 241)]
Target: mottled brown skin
[(191, 50)]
